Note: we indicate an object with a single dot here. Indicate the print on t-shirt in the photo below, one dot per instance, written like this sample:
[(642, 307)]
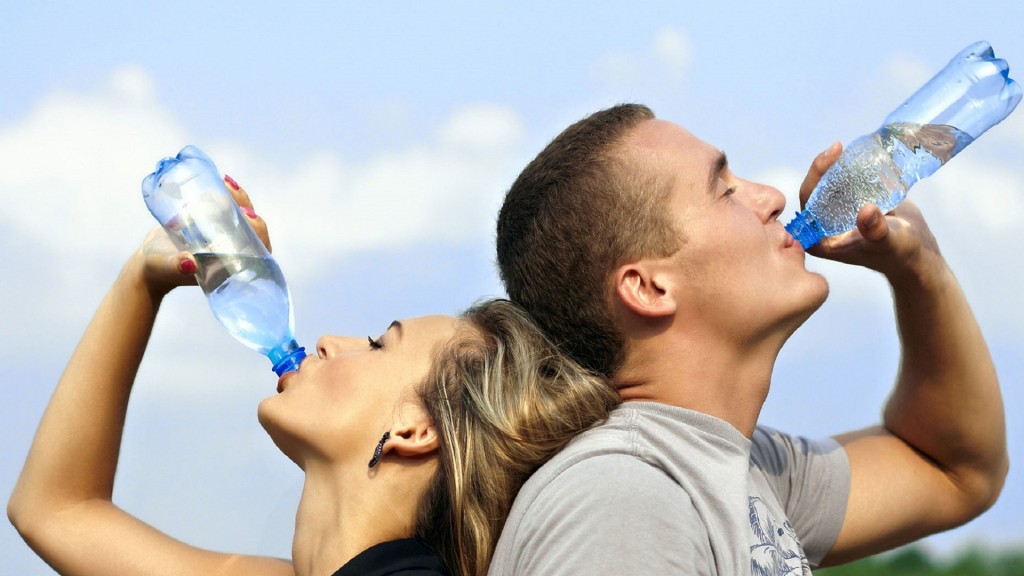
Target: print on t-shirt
[(775, 549)]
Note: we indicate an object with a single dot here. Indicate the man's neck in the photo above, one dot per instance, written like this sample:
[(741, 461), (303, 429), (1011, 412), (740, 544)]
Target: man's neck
[(728, 382)]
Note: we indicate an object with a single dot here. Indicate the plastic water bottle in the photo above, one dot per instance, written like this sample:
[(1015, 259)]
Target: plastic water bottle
[(970, 95), (241, 280)]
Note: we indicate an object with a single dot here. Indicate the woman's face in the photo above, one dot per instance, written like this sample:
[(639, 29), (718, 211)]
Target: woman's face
[(340, 402)]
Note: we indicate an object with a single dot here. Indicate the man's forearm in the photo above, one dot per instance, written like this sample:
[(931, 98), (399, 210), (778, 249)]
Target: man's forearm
[(947, 404)]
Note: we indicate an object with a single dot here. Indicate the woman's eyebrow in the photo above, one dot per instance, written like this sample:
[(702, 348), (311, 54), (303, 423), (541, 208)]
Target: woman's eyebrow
[(398, 328)]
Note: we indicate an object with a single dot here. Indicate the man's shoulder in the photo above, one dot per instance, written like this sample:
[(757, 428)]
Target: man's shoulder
[(778, 453), (608, 449), (601, 451), (580, 515), (602, 469)]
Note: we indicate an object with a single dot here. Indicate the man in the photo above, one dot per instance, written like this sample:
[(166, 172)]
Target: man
[(639, 251)]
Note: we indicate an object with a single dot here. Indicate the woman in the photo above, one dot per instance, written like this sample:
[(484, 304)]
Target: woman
[(413, 444)]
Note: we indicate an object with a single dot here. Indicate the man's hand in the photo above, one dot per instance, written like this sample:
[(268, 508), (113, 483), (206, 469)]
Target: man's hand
[(894, 244), (938, 458)]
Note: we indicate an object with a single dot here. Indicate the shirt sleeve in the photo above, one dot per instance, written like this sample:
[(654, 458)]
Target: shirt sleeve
[(811, 478), (612, 514)]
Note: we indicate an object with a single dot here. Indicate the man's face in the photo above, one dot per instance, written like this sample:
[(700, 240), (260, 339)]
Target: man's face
[(737, 270)]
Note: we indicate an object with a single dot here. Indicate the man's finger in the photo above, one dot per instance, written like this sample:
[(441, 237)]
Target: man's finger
[(819, 166)]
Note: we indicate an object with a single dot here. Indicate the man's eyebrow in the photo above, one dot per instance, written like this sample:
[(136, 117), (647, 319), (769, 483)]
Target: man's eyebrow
[(719, 166)]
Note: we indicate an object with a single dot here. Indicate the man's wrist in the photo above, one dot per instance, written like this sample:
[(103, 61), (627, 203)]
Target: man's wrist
[(927, 271)]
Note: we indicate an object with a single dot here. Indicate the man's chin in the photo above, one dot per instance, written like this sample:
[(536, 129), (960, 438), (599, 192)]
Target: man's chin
[(824, 292), (817, 293), (815, 298)]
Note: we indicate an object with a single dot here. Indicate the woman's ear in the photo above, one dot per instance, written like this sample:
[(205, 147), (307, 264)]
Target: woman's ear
[(414, 435), (645, 289)]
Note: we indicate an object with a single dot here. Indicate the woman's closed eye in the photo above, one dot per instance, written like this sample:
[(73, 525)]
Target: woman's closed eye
[(374, 344)]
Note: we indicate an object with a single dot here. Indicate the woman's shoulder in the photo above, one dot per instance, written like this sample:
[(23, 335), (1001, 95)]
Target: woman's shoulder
[(407, 556)]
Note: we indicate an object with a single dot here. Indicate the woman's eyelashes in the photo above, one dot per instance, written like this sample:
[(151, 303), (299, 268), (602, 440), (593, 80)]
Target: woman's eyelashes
[(374, 344)]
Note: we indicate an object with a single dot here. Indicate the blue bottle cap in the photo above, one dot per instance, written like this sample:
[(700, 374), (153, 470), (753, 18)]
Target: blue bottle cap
[(805, 229), (287, 357)]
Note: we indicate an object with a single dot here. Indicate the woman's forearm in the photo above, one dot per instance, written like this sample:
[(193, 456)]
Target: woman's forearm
[(74, 455)]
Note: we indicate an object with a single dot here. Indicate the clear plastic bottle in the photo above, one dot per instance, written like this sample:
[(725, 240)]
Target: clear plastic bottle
[(242, 281), (970, 95)]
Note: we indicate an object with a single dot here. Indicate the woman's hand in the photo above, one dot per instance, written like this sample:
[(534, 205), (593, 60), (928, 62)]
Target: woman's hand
[(245, 203), (61, 504), (164, 267)]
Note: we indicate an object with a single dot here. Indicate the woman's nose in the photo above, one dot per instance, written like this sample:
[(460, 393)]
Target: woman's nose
[(330, 345)]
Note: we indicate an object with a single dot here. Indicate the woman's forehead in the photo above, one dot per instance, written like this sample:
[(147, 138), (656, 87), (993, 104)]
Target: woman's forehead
[(427, 329)]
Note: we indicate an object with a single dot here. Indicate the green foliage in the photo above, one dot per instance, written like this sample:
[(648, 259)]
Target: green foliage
[(916, 561)]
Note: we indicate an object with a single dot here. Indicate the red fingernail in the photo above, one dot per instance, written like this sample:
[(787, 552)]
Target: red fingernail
[(188, 267), (231, 182), (248, 212)]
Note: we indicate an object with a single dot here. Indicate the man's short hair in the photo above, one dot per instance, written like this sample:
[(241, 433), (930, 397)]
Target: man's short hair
[(580, 209)]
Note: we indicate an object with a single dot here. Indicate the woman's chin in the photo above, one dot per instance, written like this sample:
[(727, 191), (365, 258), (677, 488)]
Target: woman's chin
[(285, 441)]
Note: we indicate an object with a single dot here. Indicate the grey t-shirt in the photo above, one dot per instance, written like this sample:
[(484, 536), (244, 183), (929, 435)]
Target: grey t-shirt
[(664, 490)]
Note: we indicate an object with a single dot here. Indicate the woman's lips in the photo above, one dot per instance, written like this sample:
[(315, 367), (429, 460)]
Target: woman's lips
[(281, 380)]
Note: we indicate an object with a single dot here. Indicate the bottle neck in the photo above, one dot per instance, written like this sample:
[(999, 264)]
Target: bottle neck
[(287, 357), (804, 228)]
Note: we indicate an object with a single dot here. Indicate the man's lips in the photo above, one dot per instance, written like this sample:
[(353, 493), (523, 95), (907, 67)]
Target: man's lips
[(789, 241)]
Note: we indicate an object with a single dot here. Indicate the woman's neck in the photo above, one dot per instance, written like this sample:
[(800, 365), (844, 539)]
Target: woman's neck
[(343, 512)]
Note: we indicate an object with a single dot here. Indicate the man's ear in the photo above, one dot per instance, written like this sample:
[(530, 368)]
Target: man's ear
[(644, 288)]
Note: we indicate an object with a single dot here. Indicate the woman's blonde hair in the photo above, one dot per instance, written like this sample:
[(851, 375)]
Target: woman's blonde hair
[(504, 400)]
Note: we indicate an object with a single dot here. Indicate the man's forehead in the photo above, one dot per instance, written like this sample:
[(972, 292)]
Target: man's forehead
[(658, 135), (676, 153)]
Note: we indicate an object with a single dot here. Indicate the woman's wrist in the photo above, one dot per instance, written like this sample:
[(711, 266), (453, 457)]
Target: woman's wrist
[(136, 278)]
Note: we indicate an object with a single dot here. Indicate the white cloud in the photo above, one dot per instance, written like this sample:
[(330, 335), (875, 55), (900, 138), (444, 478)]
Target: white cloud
[(72, 168), (73, 210), (483, 128), (664, 62), (979, 198), (445, 189), (674, 48), (73, 207)]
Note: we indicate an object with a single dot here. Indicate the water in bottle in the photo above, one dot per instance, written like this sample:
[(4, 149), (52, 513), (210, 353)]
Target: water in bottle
[(242, 281), (970, 95)]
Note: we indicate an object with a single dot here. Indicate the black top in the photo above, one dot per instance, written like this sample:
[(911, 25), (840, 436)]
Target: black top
[(406, 556)]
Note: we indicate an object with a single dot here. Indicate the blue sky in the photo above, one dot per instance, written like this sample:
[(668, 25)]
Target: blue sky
[(377, 141)]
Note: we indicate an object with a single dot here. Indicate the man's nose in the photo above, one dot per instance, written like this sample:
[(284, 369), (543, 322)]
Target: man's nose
[(768, 202)]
